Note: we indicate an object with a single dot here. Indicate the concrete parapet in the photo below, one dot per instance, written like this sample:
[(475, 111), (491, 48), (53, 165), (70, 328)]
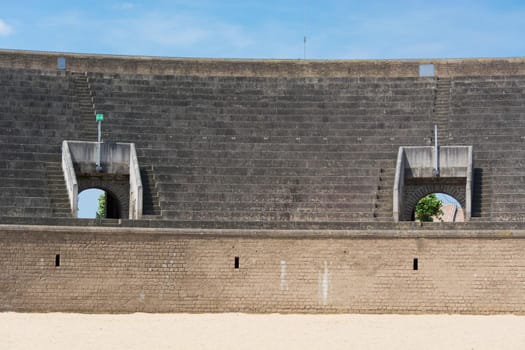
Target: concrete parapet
[(260, 68)]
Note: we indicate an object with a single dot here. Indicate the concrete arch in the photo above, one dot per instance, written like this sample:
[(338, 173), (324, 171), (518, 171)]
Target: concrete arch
[(117, 189), (414, 193), (113, 206)]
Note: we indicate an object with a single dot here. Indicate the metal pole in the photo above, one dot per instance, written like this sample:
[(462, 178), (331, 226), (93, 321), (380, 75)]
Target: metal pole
[(304, 47), (99, 166), (436, 152)]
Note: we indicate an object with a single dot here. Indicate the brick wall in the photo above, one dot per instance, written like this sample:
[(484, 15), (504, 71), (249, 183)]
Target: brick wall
[(260, 68), (128, 270)]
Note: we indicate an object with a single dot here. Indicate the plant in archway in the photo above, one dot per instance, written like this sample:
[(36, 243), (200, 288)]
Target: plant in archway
[(428, 208), (101, 212)]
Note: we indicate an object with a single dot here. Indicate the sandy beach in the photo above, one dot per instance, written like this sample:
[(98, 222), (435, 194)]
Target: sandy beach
[(248, 331)]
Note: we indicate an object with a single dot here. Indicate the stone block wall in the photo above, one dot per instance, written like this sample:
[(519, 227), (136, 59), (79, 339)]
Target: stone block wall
[(170, 270), (266, 149), (260, 140)]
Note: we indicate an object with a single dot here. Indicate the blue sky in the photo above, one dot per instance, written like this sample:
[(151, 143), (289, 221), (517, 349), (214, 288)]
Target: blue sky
[(88, 203), (268, 29)]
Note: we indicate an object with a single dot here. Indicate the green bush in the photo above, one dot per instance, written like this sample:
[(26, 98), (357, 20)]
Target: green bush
[(428, 208), (101, 212)]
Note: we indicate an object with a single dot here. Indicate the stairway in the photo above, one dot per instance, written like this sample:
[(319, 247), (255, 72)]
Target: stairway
[(85, 113), (57, 190), (383, 206), (482, 192), (441, 109), (150, 201)]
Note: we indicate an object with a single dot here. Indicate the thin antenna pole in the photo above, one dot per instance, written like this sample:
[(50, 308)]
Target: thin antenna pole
[(304, 48), (305, 29)]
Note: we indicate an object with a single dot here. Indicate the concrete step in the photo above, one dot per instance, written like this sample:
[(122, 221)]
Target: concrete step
[(151, 204), (87, 128), (57, 191), (152, 217)]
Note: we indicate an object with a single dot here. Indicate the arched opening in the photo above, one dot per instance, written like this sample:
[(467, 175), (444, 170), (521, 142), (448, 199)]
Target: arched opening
[(95, 203), (414, 192), (438, 207)]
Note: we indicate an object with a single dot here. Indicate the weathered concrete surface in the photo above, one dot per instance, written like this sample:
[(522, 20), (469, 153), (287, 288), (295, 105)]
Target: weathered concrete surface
[(115, 157)]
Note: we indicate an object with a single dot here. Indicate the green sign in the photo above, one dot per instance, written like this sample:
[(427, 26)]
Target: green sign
[(100, 117)]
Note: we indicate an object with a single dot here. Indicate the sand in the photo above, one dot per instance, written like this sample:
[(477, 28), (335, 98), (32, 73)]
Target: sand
[(247, 331)]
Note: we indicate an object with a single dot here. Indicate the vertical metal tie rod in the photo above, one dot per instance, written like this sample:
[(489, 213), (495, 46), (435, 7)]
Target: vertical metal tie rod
[(99, 118), (436, 152)]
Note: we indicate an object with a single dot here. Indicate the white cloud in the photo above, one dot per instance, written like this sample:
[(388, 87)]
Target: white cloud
[(186, 30), (5, 29), (175, 34), (69, 19), (177, 31), (464, 31), (179, 34), (124, 6)]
